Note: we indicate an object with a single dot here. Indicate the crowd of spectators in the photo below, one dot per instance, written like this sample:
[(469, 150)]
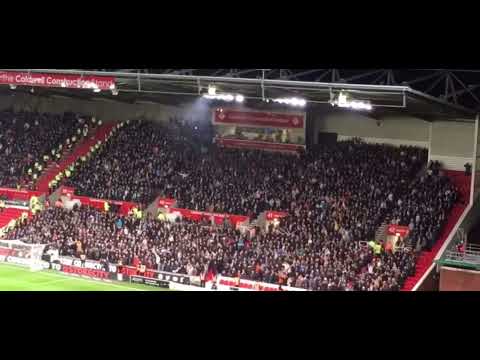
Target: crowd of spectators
[(144, 160), (323, 262), (133, 164), (425, 208), (28, 138), (336, 198)]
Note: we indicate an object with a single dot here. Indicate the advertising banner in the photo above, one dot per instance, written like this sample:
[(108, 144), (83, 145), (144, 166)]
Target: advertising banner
[(225, 116), (258, 145), (271, 215), (57, 80), (149, 281), (164, 202), (398, 230), (218, 218), (125, 206), (229, 284)]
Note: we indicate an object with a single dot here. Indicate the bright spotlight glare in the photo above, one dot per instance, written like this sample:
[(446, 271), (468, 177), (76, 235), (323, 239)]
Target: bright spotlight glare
[(291, 101), (212, 90), (239, 98), (96, 90), (112, 86)]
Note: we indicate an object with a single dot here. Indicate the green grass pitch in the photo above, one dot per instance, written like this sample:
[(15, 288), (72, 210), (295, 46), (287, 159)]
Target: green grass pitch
[(16, 278)]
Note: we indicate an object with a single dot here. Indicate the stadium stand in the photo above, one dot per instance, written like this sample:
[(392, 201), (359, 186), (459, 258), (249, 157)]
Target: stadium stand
[(336, 198), (30, 141), (82, 149)]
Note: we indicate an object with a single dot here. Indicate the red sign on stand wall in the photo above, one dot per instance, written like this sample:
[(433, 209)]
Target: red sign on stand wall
[(259, 145), (402, 231), (223, 116), (57, 80), (271, 215)]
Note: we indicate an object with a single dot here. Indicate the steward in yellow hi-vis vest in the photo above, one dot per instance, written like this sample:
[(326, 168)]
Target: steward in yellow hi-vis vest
[(2, 205), (68, 173), (24, 217), (106, 206), (58, 177), (162, 217), (35, 176), (45, 158), (33, 201), (11, 224), (36, 208)]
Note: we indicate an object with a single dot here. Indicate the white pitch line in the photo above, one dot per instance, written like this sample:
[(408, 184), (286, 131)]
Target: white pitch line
[(66, 277), (51, 282)]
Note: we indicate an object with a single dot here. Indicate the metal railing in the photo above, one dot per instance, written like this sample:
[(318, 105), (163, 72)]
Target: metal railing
[(470, 257)]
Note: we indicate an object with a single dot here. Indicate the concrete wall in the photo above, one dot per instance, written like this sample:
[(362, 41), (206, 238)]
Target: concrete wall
[(395, 130), (453, 144), (105, 110), (452, 279)]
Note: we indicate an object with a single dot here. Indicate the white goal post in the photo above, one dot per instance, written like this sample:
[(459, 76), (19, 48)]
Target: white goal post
[(21, 253)]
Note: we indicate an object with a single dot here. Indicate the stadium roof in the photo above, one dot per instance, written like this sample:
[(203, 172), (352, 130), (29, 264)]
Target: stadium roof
[(136, 86)]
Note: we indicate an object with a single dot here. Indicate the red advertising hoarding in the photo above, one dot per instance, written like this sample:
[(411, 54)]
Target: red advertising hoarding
[(218, 218), (271, 215), (125, 206), (223, 116), (258, 145), (57, 80), (402, 231), (165, 202), (12, 194)]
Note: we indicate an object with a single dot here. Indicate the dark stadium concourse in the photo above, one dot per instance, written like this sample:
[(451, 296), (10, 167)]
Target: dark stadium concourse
[(229, 183)]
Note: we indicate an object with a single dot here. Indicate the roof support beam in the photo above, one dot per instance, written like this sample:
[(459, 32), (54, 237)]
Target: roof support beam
[(359, 76), (435, 83), (303, 73), (465, 89)]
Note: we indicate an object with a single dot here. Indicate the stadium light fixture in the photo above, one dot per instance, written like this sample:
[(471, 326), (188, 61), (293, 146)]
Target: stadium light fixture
[(115, 92), (343, 101), (112, 87), (13, 86), (224, 97), (291, 101), (212, 90)]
